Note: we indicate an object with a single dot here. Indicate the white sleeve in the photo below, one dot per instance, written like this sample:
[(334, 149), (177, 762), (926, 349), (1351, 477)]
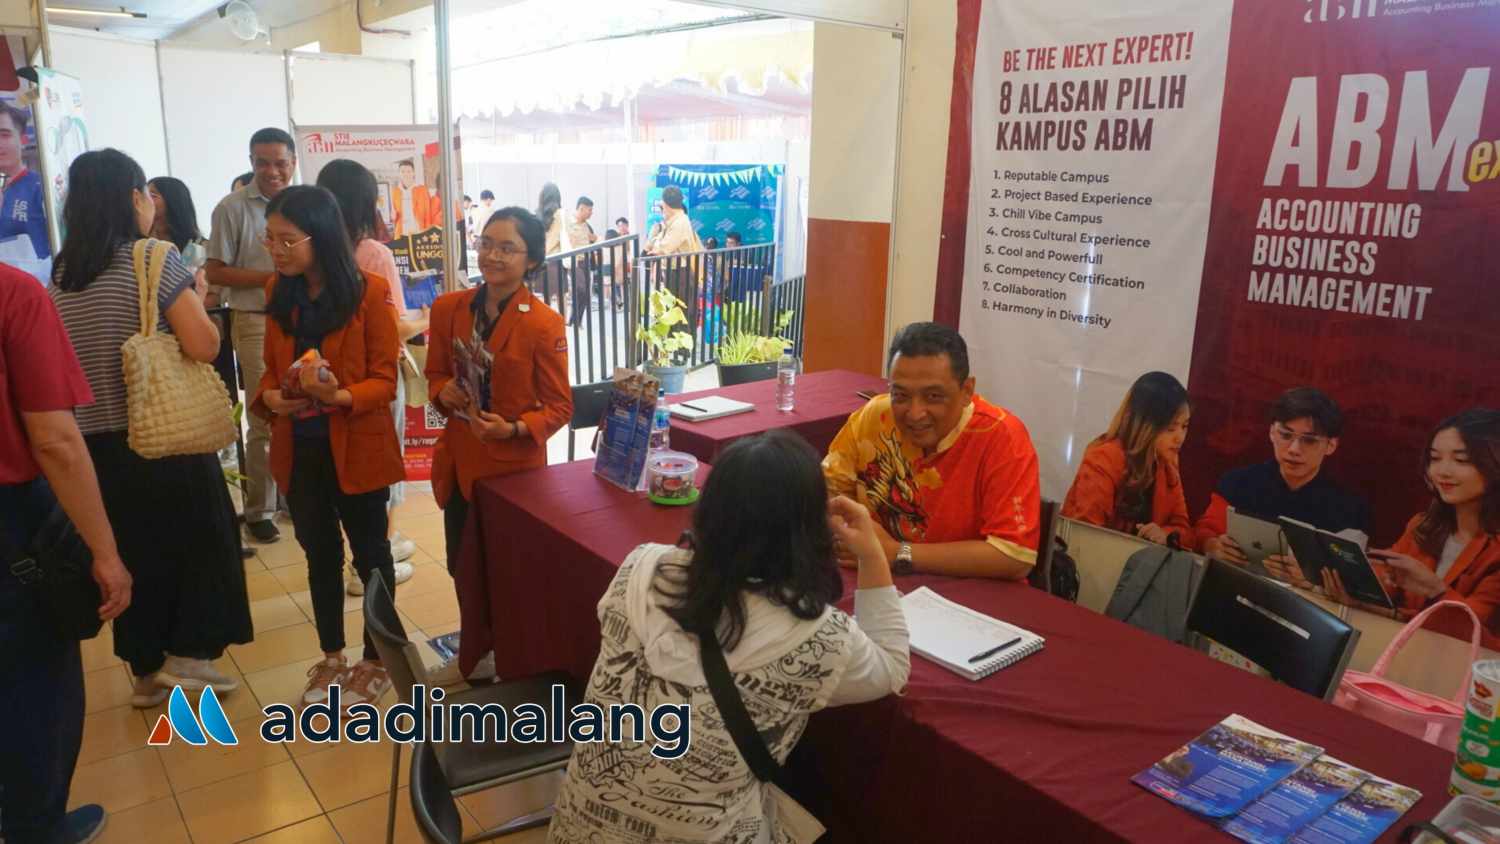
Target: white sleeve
[(879, 649)]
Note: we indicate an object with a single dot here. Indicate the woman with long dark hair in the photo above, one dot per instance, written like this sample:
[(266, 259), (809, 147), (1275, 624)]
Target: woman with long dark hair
[(355, 189), (190, 600), (526, 402), (549, 211), (1450, 552), (758, 575), (333, 444), (1129, 479)]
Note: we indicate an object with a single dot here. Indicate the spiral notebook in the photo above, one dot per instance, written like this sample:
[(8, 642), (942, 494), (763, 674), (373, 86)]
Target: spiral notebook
[(968, 643)]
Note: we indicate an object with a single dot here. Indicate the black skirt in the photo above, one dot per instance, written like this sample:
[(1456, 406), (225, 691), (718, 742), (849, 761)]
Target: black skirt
[(175, 527)]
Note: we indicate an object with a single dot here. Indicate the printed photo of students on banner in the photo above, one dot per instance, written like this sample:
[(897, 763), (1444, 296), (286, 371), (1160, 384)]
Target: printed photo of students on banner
[(1286, 207)]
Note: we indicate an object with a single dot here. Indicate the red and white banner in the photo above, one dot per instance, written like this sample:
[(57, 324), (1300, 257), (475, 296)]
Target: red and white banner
[(1249, 194)]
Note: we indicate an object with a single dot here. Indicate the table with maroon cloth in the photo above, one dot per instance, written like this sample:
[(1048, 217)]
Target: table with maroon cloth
[(824, 401), (1042, 751)]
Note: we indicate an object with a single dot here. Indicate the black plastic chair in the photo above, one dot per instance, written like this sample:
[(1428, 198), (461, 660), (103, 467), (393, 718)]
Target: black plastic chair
[(1298, 642), (432, 802), (590, 401), (471, 765), (1041, 573)]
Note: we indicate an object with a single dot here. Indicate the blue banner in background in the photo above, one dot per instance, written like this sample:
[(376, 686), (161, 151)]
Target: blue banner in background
[(722, 198)]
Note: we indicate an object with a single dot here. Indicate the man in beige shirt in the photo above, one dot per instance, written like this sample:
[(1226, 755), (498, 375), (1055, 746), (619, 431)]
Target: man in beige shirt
[(238, 260), (675, 234)]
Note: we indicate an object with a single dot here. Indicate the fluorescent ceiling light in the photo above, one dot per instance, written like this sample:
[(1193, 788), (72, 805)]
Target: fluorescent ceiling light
[(122, 12)]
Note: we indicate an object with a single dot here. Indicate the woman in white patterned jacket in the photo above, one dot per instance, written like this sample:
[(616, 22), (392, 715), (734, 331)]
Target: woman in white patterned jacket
[(760, 571)]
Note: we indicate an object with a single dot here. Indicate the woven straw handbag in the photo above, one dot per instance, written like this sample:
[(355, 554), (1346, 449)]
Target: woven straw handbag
[(176, 405)]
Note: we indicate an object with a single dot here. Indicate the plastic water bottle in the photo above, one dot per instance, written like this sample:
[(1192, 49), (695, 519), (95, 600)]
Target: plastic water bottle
[(786, 381), (661, 424)]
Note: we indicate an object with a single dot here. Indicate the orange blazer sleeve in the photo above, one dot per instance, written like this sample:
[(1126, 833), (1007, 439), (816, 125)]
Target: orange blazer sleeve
[(439, 368), (382, 338), (1170, 510), (1215, 520), (1091, 499), (551, 380)]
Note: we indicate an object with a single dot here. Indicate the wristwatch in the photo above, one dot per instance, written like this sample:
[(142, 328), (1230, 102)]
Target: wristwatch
[(903, 564)]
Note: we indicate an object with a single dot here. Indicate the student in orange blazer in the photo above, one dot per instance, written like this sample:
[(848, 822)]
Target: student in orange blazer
[(1129, 480), (528, 396), (333, 442), (1451, 552)]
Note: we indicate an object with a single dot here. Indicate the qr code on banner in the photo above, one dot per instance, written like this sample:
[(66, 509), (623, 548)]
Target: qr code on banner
[(435, 420)]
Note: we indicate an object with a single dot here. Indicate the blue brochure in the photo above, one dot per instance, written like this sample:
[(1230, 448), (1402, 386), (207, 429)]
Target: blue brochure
[(1296, 802), (1222, 771), (1362, 816)]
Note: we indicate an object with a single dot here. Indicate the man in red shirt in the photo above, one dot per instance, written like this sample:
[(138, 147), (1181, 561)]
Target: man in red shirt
[(950, 479), (43, 464)]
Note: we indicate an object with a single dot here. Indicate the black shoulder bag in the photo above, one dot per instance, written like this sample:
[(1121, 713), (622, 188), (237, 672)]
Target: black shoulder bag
[(58, 565), (795, 820)]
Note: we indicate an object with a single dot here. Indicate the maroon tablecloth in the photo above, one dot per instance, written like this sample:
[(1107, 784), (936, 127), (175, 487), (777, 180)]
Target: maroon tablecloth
[(1042, 751), (823, 401)]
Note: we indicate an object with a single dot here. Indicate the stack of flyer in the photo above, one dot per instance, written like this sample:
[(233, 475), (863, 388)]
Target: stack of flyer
[(1266, 788)]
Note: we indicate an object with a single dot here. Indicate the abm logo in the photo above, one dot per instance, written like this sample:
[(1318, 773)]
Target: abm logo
[(315, 142), (708, 192), (1322, 11), (739, 192), (179, 719)]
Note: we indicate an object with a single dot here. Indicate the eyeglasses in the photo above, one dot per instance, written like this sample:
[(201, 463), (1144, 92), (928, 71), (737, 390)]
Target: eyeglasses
[(286, 245), (1287, 435), (505, 248)]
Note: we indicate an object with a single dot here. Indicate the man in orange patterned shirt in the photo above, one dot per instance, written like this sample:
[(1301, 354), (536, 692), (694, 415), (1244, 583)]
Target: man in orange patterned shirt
[(951, 479)]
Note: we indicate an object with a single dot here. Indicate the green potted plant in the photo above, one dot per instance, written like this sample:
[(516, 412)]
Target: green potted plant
[(746, 356), (663, 343)]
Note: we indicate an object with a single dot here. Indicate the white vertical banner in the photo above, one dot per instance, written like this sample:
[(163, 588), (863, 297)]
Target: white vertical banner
[(1095, 133)]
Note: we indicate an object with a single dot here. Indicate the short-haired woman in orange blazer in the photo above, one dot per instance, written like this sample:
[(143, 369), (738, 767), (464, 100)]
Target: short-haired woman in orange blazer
[(528, 396), (335, 454), (1129, 479)]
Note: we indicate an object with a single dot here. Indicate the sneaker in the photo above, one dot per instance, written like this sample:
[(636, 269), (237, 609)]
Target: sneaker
[(83, 824), (147, 693), (402, 548), (194, 674), (323, 674), (366, 682), (264, 531), (354, 586)]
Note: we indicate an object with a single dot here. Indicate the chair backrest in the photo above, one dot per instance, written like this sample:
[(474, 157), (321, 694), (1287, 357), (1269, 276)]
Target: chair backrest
[(397, 653), (589, 403), (1298, 642), (1041, 573), (432, 801)]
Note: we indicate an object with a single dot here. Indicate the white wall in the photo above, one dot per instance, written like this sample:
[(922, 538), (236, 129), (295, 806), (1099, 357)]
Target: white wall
[(854, 123), (215, 100), (350, 90), (121, 98), (923, 158)]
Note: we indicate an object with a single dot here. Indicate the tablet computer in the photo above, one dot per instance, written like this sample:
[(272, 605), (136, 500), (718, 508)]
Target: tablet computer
[(1257, 538), (1318, 549)]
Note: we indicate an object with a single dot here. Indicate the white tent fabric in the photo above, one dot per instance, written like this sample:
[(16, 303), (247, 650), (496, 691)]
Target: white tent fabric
[(599, 73)]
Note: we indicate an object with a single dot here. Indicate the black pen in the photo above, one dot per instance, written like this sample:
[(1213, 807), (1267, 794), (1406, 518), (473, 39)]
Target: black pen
[(692, 407), (992, 651)]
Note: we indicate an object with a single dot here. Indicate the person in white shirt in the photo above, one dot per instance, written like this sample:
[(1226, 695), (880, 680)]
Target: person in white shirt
[(757, 570)]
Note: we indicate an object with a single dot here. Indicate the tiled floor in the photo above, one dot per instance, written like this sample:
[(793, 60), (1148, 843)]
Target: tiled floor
[(274, 794)]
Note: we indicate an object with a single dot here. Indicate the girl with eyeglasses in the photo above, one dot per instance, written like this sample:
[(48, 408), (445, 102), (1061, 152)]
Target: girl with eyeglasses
[(527, 400), (1129, 480), (355, 189), (334, 452)]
